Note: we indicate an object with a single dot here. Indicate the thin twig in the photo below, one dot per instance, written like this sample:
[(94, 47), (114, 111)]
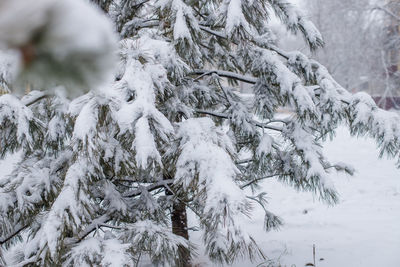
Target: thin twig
[(387, 11), (260, 179), (224, 116)]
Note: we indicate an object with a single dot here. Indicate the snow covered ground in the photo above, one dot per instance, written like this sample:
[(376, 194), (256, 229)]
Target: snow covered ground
[(362, 230)]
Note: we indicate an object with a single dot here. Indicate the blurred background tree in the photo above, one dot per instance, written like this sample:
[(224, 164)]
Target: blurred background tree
[(362, 44)]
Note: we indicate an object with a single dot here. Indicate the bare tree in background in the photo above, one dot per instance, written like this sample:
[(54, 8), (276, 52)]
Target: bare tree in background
[(354, 36), (390, 53)]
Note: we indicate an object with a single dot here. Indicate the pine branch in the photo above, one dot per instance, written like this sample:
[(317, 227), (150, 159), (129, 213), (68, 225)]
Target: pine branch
[(136, 25), (243, 161), (107, 217), (258, 42), (112, 226), (224, 116), (226, 74), (17, 230), (93, 226), (286, 55), (31, 99), (150, 188), (260, 179), (215, 33)]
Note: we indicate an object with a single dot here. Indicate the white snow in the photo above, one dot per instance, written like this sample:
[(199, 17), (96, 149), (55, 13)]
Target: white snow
[(8, 68), (290, 83), (363, 230), (202, 152), (136, 116), (183, 16), (235, 17), (296, 19), (265, 146), (85, 125), (75, 37), (70, 200), (14, 111), (181, 31), (144, 144)]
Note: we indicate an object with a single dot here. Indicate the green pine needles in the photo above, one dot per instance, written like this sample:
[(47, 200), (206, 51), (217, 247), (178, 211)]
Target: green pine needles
[(101, 179)]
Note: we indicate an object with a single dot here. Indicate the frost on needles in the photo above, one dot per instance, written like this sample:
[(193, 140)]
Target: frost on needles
[(100, 176)]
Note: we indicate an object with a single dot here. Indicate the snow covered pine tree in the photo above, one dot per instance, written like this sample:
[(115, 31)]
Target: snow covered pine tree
[(106, 179)]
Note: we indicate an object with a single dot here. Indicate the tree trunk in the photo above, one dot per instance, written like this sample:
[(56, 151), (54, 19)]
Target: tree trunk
[(179, 227)]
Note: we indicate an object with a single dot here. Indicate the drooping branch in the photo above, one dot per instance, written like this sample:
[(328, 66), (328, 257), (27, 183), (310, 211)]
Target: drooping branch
[(149, 188), (224, 116), (226, 74), (107, 217), (260, 179), (17, 230), (216, 33), (34, 97), (91, 227)]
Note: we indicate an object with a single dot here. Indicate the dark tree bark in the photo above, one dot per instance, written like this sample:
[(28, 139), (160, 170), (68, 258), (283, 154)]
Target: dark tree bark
[(179, 227)]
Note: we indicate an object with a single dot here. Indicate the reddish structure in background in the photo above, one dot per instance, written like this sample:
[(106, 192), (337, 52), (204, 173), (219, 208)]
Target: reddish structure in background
[(387, 103)]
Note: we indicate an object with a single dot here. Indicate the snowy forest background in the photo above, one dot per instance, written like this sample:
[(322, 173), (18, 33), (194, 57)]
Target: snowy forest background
[(361, 42), (199, 133)]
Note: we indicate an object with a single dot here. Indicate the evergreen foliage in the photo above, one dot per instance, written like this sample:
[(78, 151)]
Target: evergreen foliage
[(99, 175)]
